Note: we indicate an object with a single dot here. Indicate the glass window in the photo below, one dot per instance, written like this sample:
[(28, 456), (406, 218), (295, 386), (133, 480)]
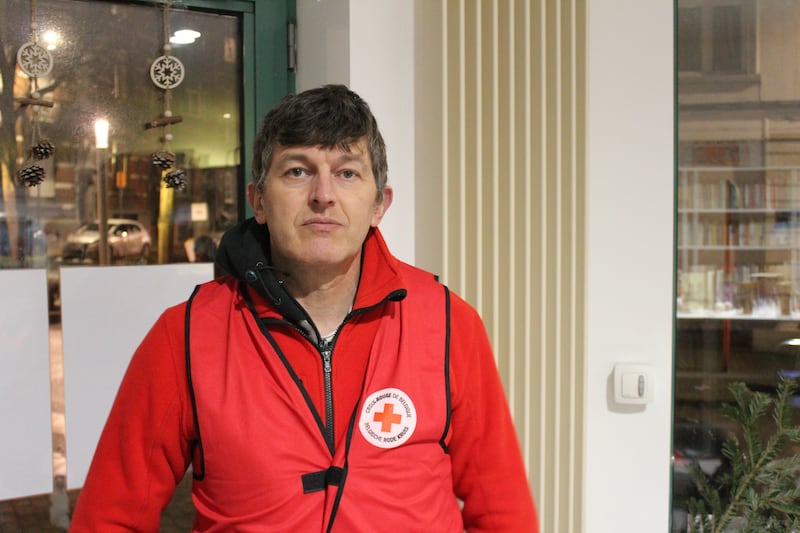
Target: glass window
[(77, 62), (690, 22), (67, 184), (716, 36), (738, 230), (726, 35)]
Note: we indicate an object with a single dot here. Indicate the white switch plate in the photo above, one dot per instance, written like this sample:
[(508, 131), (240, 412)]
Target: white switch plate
[(633, 383)]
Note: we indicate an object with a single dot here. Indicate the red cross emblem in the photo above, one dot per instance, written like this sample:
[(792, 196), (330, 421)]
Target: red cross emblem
[(387, 418)]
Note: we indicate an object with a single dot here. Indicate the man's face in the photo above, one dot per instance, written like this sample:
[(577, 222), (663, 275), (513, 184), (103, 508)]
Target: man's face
[(319, 205)]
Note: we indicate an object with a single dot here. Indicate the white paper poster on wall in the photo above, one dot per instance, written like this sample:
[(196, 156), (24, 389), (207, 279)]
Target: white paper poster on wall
[(26, 461), (106, 312)]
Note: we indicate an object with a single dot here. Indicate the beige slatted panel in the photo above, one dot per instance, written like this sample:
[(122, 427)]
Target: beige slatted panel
[(500, 195)]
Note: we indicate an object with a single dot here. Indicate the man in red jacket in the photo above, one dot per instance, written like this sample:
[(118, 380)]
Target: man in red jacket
[(320, 384)]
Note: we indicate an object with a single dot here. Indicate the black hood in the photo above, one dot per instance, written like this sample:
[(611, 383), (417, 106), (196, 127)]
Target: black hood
[(244, 254), (243, 247)]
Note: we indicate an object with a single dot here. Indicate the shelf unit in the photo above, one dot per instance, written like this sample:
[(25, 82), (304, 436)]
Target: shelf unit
[(738, 266), (739, 239)]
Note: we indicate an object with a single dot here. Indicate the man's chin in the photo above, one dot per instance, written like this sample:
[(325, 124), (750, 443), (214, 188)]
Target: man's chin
[(330, 259)]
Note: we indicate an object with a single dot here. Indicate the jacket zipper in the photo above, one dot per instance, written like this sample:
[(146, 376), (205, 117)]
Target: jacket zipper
[(327, 353), (326, 350)]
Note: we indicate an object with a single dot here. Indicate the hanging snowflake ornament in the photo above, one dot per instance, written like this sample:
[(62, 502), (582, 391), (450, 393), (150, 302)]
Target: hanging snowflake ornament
[(30, 176), (167, 72), (34, 60), (43, 150), (176, 179)]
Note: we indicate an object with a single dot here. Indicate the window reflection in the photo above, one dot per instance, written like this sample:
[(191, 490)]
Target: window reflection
[(738, 210), (716, 36), (101, 56)]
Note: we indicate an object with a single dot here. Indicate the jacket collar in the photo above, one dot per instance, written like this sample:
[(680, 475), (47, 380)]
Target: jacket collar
[(244, 254)]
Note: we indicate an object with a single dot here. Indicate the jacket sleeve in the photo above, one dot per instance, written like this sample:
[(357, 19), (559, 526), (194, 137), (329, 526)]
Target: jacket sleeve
[(144, 449), (488, 471)]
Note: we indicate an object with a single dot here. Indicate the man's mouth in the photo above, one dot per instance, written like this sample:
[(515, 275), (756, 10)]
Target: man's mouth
[(322, 223)]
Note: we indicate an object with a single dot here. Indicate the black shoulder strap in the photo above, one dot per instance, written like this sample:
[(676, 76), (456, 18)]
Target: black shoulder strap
[(199, 465), (446, 365)]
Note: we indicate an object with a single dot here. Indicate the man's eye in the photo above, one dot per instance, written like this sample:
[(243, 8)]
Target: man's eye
[(348, 174), (296, 172)]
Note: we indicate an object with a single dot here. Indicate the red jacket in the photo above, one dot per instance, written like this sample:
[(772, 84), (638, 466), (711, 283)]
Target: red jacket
[(150, 436), (392, 459)]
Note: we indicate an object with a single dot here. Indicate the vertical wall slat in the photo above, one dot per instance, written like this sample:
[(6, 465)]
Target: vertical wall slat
[(510, 238), (573, 305), (512, 183), (558, 444), (527, 344), (462, 176), (541, 254), (478, 134), (493, 148)]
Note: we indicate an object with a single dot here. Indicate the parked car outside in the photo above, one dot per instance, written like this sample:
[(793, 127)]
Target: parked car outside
[(127, 239)]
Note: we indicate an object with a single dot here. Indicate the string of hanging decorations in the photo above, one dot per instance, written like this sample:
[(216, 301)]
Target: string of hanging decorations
[(35, 61), (166, 73)]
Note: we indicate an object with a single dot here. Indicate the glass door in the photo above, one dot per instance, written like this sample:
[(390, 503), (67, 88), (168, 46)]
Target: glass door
[(738, 238)]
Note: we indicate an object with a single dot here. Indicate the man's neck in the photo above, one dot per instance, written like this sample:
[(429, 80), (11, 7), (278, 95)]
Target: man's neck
[(327, 298)]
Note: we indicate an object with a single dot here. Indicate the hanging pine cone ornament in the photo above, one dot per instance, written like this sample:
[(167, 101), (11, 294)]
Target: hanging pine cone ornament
[(31, 176), (43, 150), (164, 160), (176, 179)]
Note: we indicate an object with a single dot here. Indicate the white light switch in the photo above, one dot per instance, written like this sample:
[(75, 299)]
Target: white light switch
[(633, 384)]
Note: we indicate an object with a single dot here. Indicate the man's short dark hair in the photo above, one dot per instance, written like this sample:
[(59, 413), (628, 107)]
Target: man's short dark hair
[(331, 116)]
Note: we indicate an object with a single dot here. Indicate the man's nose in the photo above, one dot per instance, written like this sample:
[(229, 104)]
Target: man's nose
[(322, 187)]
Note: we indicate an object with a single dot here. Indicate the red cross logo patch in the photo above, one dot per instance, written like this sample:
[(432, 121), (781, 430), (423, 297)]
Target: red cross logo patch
[(388, 418)]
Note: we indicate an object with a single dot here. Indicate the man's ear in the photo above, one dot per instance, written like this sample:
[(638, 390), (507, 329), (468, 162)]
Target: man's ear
[(256, 201), (382, 206)]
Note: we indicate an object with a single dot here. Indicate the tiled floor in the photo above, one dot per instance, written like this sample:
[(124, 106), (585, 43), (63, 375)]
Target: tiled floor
[(32, 515)]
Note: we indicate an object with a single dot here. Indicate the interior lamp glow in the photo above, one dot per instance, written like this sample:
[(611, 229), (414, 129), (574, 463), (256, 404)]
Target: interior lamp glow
[(51, 38), (101, 133), (184, 37)]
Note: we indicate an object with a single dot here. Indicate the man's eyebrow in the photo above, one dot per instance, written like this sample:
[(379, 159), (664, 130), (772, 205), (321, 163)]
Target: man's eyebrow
[(289, 156), (352, 157)]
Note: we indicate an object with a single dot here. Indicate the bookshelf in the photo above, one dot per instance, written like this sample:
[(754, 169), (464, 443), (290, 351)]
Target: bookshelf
[(738, 268), (739, 242)]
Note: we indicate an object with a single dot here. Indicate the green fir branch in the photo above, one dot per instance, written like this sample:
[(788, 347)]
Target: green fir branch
[(762, 483)]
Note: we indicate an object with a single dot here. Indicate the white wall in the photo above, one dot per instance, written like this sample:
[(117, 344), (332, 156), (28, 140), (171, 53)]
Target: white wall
[(630, 256), (377, 62)]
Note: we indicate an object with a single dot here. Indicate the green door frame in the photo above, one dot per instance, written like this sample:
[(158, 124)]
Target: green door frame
[(270, 78)]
